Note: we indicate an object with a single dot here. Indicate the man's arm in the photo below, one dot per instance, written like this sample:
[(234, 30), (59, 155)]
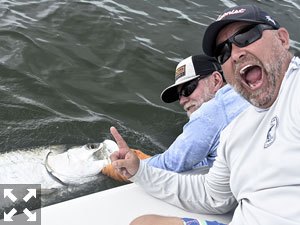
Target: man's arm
[(209, 193), (197, 144)]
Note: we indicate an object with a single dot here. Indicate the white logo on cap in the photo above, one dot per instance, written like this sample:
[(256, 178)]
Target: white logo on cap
[(270, 19), (233, 12)]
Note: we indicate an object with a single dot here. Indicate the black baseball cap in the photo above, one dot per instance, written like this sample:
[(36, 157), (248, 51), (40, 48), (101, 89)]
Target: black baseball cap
[(188, 69), (246, 13)]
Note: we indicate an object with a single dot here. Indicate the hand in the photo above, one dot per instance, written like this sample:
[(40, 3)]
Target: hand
[(110, 171), (124, 161)]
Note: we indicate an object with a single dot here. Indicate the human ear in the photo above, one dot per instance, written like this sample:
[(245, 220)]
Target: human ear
[(218, 81), (284, 37)]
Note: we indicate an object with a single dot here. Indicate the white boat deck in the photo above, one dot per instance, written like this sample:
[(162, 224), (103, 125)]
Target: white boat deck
[(116, 206)]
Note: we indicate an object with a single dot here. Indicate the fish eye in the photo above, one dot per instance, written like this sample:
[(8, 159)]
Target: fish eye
[(92, 146)]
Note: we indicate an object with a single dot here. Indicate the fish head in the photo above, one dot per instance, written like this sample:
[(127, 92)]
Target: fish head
[(81, 163)]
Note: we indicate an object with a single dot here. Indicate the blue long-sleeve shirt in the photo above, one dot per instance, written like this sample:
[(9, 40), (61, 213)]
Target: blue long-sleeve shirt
[(197, 144)]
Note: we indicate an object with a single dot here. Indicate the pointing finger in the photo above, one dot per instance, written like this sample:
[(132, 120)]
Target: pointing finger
[(123, 147)]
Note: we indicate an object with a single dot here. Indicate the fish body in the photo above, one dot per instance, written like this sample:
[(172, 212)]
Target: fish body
[(55, 166)]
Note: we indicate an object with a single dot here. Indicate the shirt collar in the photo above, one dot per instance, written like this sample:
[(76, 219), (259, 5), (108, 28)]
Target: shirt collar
[(294, 65)]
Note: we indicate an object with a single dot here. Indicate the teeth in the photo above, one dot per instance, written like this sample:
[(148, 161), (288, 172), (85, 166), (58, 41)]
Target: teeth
[(242, 71), (251, 85)]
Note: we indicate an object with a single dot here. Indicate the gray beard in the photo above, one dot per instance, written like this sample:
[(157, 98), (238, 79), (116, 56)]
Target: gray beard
[(272, 77)]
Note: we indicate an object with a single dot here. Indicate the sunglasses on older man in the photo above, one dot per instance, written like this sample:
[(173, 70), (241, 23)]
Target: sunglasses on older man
[(244, 37), (188, 88)]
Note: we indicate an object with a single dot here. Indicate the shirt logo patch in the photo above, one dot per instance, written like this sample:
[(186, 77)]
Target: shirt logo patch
[(180, 72), (271, 135)]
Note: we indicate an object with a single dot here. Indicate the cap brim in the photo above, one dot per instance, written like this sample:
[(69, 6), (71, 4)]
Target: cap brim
[(170, 94), (212, 31)]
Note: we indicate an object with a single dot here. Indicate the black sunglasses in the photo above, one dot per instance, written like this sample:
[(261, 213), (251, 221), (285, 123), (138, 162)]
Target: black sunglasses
[(242, 38), (188, 88)]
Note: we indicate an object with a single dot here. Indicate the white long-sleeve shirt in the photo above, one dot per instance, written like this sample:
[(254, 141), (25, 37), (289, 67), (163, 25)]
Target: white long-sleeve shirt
[(257, 167)]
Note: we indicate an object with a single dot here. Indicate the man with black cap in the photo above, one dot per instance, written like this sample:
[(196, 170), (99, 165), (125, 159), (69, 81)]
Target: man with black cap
[(210, 105), (257, 170)]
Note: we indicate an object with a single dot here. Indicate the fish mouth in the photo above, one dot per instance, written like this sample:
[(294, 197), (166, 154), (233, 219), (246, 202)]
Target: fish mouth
[(51, 172), (251, 76)]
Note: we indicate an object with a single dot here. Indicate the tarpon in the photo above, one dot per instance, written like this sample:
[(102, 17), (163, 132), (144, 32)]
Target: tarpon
[(55, 166)]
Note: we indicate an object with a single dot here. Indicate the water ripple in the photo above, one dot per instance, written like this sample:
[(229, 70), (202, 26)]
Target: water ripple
[(182, 15), (293, 3), (228, 3), (295, 45), (155, 105)]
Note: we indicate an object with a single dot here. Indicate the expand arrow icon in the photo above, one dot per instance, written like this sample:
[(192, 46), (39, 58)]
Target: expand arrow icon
[(31, 216), (31, 193), (8, 193), (8, 217)]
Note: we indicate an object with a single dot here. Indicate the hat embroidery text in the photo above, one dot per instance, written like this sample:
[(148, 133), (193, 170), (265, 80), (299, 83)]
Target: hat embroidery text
[(270, 19), (233, 12), (180, 72)]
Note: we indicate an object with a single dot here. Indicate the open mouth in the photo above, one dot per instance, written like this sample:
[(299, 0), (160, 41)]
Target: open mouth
[(252, 76)]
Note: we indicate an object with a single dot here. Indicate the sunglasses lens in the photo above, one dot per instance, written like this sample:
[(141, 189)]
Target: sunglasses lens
[(223, 52), (188, 88), (247, 36)]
